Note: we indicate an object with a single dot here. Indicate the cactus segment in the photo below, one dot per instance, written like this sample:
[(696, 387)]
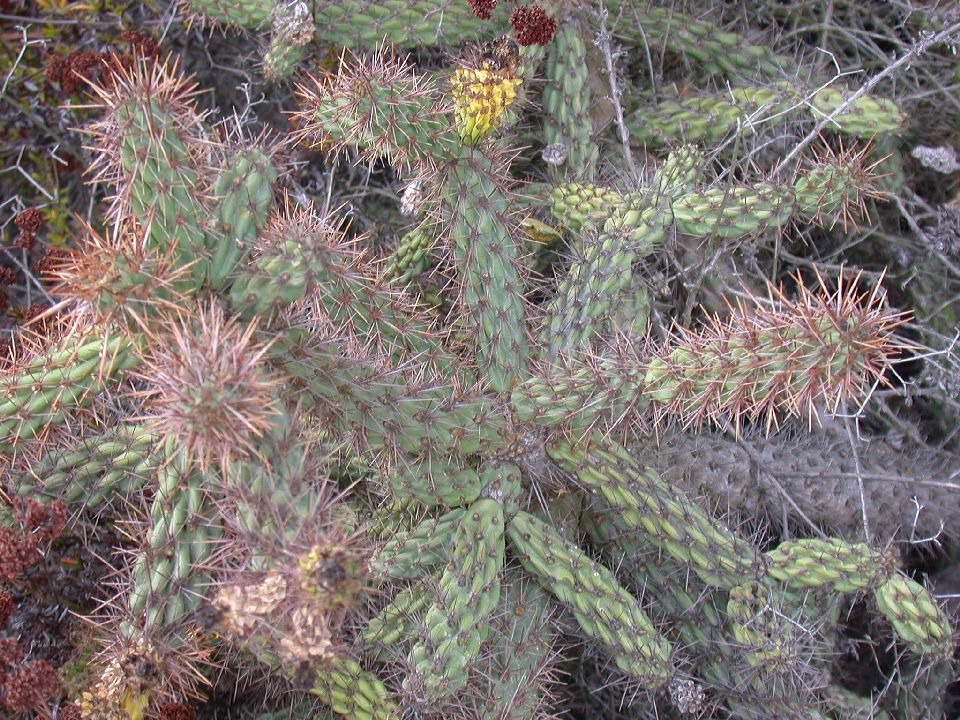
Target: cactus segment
[(603, 609), (436, 483), (352, 692), (44, 392), (671, 590), (300, 255), (711, 118), (567, 99), (178, 542), (817, 349), (732, 212), (521, 643), (586, 294), (281, 483), (585, 297), (414, 554), (467, 594), (575, 204), (699, 40), (487, 255), (643, 502), (249, 14), (831, 563), (364, 24), (582, 395), (397, 622), (95, 468), (920, 623), (868, 116), (766, 640), (160, 168), (292, 30), (384, 408), (381, 106), (244, 195), (411, 257)]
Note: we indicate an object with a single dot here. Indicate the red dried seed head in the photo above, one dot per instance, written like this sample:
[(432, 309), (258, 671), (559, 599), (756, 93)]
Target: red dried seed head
[(80, 67), (47, 265), (141, 45), (7, 276), (56, 67), (483, 9), (46, 521), (6, 608), (10, 653), (177, 711), (30, 220), (17, 552), (532, 25), (26, 241), (69, 712), (29, 686)]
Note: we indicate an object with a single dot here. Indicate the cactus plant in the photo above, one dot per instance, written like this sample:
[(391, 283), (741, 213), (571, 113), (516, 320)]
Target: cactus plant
[(491, 440)]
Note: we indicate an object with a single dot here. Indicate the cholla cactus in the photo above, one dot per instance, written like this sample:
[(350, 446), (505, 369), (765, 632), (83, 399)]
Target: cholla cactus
[(437, 587)]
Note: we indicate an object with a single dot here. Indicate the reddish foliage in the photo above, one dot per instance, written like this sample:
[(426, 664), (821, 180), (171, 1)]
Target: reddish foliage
[(30, 315), (6, 608), (10, 653), (47, 521), (17, 553), (7, 276), (29, 686), (80, 67), (141, 45), (483, 8), (532, 25), (18, 546), (56, 67), (69, 712), (177, 711)]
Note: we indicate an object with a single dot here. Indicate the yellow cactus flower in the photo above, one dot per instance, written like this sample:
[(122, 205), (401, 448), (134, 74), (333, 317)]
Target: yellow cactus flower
[(481, 96)]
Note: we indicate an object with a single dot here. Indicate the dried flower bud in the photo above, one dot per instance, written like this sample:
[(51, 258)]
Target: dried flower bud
[(532, 25), (555, 153)]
